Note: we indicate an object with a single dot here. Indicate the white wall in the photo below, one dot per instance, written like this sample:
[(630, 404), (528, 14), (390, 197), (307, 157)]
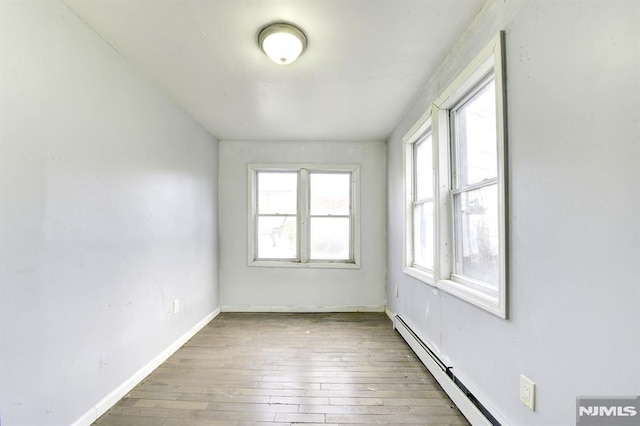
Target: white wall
[(290, 289), (107, 213), (573, 86)]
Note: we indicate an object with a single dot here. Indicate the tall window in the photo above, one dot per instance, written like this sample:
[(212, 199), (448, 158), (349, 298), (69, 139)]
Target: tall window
[(467, 208), (330, 216), (420, 196), (423, 203), (277, 215), (474, 186), (303, 216)]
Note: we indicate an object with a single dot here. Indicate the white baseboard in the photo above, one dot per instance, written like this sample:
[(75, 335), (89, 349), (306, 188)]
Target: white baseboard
[(303, 309), (118, 393), (391, 315)]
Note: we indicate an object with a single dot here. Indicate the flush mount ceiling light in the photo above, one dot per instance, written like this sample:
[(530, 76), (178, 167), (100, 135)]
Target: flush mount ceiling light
[(282, 42)]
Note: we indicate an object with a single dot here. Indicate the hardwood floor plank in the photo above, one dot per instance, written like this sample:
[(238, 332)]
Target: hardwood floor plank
[(395, 419), (298, 400), (278, 369), (165, 403), (300, 418)]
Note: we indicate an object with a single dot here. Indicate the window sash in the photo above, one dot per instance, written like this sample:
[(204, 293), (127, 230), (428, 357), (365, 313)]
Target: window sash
[(459, 166), (276, 234), (423, 259), (481, 247), (423, 191)]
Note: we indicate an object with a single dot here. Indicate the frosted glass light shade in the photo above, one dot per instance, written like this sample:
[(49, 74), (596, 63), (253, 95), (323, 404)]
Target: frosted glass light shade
[(282, 43)]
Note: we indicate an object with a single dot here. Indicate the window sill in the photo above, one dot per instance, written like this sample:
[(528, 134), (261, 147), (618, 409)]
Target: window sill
[(419, 274), (485, 300), (307, 265)]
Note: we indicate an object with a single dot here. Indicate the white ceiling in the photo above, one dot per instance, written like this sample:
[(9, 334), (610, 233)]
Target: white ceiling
[(366, 60)]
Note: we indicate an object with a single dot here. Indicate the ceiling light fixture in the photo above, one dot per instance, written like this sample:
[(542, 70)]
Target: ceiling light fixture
[(282, 42)]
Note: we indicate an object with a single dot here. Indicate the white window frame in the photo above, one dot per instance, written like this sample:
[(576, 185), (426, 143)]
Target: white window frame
[(489, 61), (417, 134), (303, 216)]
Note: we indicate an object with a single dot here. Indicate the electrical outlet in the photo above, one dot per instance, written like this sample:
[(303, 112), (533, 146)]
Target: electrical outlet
[(176, 306), (396, 292), (528, 393)]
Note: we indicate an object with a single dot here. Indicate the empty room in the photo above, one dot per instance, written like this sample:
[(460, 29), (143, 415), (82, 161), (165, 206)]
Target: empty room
[(336, 212)]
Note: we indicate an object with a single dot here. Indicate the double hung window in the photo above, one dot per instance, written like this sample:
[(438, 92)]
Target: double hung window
[(276, 214), (420, 210), (474, 186), (303, 216), (423, 203)]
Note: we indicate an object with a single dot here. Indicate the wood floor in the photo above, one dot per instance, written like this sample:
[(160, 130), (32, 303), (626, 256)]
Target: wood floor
[(286, 369)]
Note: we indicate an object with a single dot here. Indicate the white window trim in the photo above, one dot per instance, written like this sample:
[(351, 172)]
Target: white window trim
[(419, 130), (303, 215), (489, 60)]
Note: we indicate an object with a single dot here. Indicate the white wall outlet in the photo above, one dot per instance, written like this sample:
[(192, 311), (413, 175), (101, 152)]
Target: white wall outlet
[(396, 292), (176, 306), (528, 393)]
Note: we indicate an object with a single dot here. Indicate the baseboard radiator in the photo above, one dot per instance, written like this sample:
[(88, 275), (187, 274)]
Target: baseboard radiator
[(466, 402)]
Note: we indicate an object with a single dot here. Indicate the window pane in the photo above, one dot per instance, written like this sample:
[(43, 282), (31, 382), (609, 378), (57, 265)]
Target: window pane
[(477, 141), (424, 169), (476, 233), (330, 237), (330, 193), (277, 192), (277, 237), (423, 235)]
